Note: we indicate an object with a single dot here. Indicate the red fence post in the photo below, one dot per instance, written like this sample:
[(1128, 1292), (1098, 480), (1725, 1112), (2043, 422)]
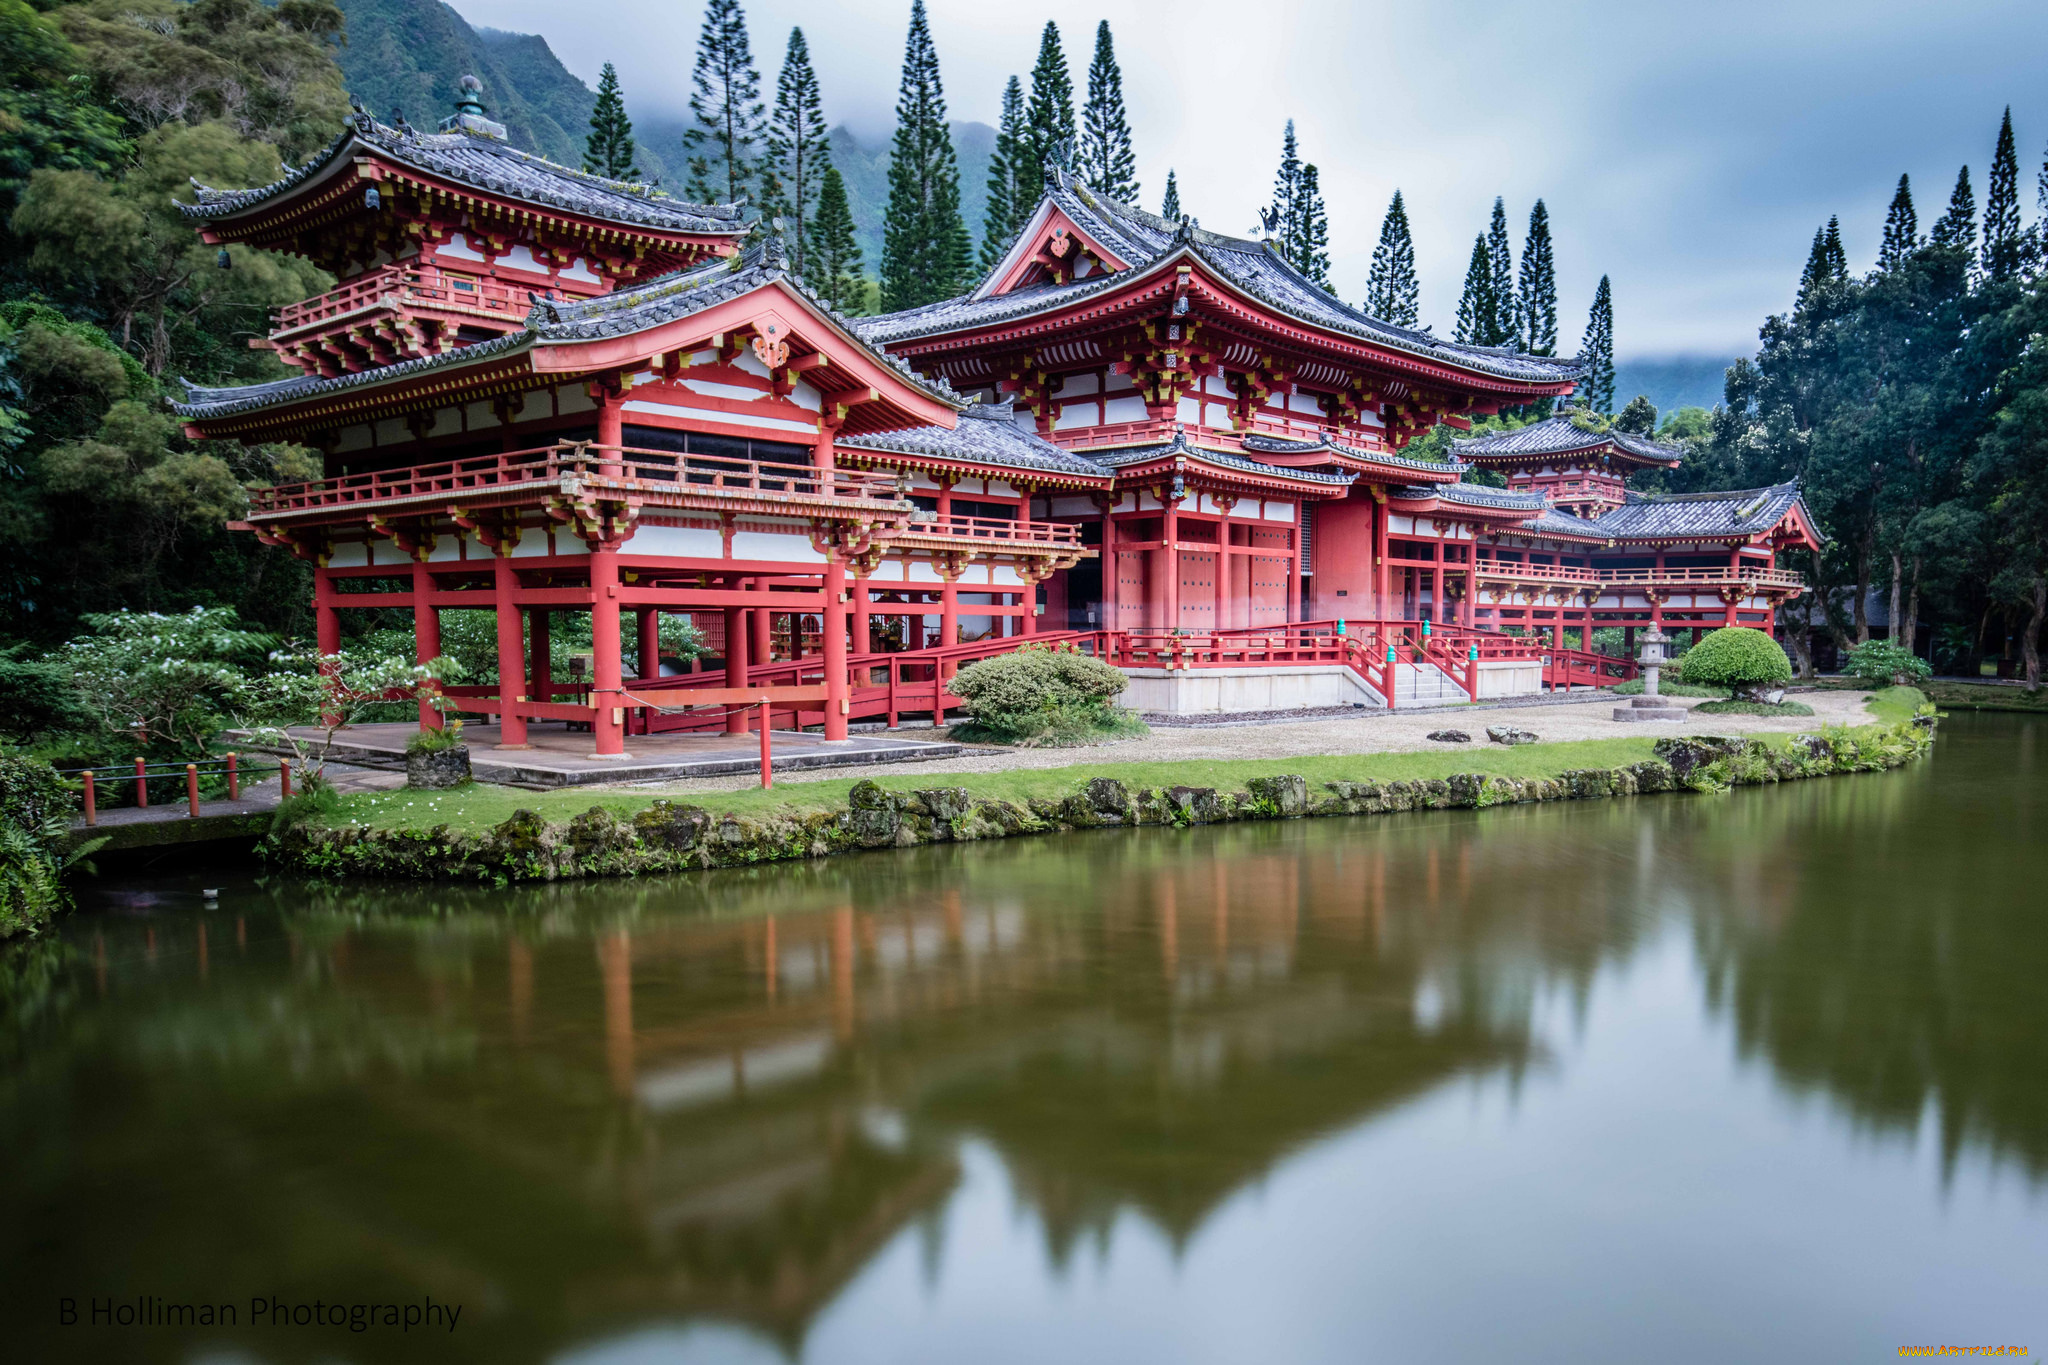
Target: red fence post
[(141, 783), (284, 778), (767, 762), (92, 812), (234, 780), (192, 789)]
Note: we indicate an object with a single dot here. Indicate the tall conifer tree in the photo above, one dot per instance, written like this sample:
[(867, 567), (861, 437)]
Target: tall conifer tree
[(798, 155), (1826, 266), (924, 242), (1286, 184), (1536, 286), (1307, 239), (725, 139), (609, 150), (1011, 196), (1106, 161), (1831, 243), (1392, 292), (1596, 351), (1504, 326), (835, 255), (2004, 245), (1049, 118), (1901, 228), (1476, 306), (1169, 207), (1958, 226)]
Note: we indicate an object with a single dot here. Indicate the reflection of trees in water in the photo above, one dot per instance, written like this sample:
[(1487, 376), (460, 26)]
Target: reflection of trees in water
[(593, 1104), (1881, 939)]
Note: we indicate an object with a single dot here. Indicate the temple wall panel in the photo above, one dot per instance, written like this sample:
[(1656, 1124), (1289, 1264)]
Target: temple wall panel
[(357, 437), (773, 545), (1075, 507), (1128, 409), (677, 542), (348, 555), (1277, 511), (537, 542), (572, 398)]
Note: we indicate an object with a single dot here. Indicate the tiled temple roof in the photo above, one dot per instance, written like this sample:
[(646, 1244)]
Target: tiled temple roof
[(987, 434), (620, 313), (1474, 495), (1681, 516), (1559, 435), (1118, 457), (488, 164), (1145, 241), (1279, 445)]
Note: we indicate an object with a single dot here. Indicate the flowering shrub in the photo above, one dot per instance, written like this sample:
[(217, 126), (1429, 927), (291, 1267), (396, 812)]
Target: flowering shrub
[(1880, 663)]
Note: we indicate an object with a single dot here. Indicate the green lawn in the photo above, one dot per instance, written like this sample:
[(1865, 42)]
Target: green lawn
[(479, 807)]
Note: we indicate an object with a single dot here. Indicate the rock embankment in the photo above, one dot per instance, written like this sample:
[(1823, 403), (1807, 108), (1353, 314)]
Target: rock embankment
[(672, 837)]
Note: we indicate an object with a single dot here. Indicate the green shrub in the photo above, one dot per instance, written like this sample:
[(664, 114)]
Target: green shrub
[(1752, 708), (1043, 694), (449, 736), (1736, 656), (1880, 663), (35, 810)]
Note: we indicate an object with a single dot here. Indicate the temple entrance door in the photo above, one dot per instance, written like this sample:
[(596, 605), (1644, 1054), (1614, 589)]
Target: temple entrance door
[(1197, 592), (1268, 595), (1133, 590)]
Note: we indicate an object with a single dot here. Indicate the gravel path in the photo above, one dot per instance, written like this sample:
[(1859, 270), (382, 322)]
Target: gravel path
[(1370, 733)]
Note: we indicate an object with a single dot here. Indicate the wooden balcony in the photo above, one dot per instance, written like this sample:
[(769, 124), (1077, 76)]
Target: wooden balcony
[(1119, 434), (1718, 576), (391, 314), (989, 533)]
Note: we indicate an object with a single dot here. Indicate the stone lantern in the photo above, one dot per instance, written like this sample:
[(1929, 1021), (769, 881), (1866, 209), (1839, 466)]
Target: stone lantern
[(1650, 706)]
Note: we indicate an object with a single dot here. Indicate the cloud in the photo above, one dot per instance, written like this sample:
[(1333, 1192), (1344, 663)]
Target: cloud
[(1688, 151)]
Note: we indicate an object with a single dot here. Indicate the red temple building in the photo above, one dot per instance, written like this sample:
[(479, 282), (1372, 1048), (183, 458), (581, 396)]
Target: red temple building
[(536, 391)]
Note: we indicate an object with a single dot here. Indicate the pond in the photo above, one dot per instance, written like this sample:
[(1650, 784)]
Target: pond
[(1758, 1076)]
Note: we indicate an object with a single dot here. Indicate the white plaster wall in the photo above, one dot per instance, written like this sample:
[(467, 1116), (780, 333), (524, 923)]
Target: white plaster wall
[(1208, 691), (681, 542), (1509, 678), (773, 545), (1123, 410)]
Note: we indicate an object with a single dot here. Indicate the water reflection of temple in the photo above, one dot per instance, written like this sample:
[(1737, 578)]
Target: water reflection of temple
[(597, 1107)]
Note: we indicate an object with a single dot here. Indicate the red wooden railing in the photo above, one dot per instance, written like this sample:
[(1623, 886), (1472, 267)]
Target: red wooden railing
[(407, 289), (1592, 578), (1001, 530), (610, 468)]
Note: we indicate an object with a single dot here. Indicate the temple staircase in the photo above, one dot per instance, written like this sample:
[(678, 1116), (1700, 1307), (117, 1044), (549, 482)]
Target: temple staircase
[(1424, 684)]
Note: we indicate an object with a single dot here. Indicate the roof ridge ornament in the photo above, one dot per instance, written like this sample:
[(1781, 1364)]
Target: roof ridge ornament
[(469, 112)]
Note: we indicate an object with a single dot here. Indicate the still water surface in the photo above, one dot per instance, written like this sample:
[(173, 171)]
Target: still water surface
[(1758, 1077)]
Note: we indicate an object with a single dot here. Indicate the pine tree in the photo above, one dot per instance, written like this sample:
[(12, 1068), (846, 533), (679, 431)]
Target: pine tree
[(1011, 196), (924, 242), (1505, 326), (835, 256), (1107, 164), (1831, 245), (1476, 305), (1901, 229), (2003, 242), (1286, 185), (725, 141), (609, 151), (1536, 288), (1169, 207), (1049, 121), (1819, 271), (1307, 240), (1958, 226), (798, 155), (1596, 351), (1638, 418), (1392, 292)]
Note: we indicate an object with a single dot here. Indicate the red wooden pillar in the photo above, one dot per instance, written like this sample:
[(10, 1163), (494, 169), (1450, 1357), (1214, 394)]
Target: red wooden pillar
[(949, 608), (607, 694), (426, 633), (764, 629), (540, 652), (1382, 526), (611, 427), (1110, 565), (1226, 609), (1170, 558), (1436, 582), (863, 618), (837, 688), (1657, 598), (647, 624), (1027, 624), (738, 627), (511, 647)]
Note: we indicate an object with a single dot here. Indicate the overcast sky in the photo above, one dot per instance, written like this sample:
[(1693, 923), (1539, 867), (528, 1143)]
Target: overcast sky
[(1686, 149)]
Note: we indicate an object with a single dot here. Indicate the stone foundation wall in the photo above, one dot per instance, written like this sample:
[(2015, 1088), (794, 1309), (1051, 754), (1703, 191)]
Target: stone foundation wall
[(668, 837)]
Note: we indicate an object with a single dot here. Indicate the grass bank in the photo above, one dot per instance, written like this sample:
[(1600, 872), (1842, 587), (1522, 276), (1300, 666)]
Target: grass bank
[(477, 808)]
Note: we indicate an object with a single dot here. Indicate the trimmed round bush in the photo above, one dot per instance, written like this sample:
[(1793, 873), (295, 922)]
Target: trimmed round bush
[(1735, 656), (1041, 691)]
